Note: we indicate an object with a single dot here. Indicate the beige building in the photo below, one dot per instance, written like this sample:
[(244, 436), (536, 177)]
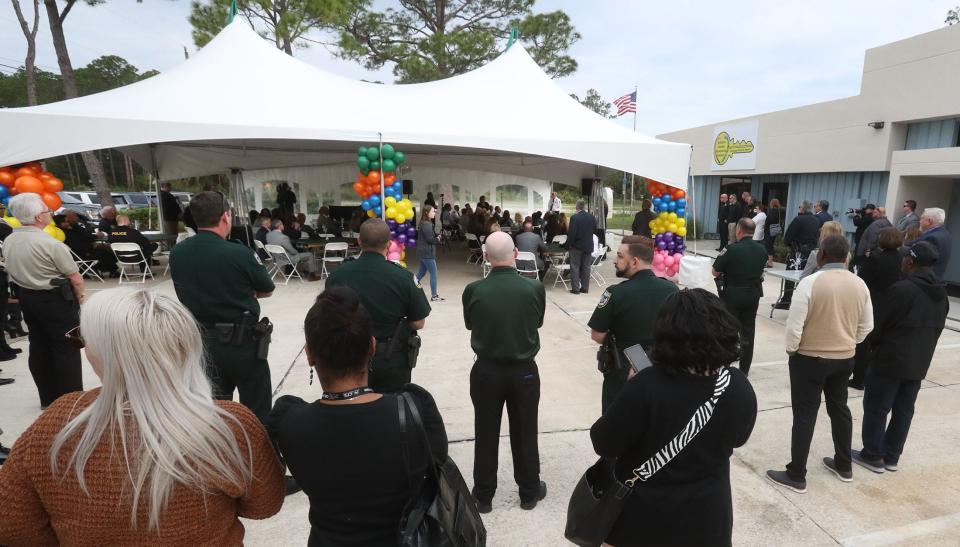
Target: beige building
[(898, 139)]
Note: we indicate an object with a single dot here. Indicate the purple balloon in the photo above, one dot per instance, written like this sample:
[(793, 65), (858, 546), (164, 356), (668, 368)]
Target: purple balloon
[(671, 245), (393, 236), (401, 238), (391, 223), (411, 233), (668, 236), (661, 245), (411, 243)]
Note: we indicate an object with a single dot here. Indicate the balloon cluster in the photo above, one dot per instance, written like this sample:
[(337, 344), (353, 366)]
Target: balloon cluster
[(378, 176), (669, 228), (30, 178)]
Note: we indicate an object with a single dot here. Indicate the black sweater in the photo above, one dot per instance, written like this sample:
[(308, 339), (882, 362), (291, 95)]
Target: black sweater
[(688, 502), (880, 270), (349, 461), (908, 321)]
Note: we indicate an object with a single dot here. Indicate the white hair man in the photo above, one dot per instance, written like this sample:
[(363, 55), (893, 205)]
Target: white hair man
[(51, 291), (503, 313), (931, 223), (108, 219)]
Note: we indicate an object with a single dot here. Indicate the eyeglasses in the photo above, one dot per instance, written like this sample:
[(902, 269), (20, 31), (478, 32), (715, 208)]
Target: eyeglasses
[(74, 338)]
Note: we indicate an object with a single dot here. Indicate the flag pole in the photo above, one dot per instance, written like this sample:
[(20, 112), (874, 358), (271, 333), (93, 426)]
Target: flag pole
[(632, 192)]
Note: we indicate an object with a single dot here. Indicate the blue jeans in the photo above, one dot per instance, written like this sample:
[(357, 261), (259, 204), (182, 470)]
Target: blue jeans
[(429, 265), (885, 396)]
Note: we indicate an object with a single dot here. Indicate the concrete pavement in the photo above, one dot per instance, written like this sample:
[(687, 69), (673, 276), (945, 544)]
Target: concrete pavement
[(920, 504)]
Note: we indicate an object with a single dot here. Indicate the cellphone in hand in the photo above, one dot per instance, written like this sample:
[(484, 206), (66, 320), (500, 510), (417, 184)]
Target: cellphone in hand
[(637, 357)]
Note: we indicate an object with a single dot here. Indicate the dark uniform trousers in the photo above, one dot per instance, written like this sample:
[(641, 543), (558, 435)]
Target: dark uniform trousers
[(809, 378), (613, 382), (389, 373), (54, 363), (742, 303), (518, 385), (238, 368)]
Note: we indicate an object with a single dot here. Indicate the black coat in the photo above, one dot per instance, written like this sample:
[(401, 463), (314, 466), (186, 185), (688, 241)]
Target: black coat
[(580, 234), (641, 223), (880, 270), (803, 231), (907, 324)]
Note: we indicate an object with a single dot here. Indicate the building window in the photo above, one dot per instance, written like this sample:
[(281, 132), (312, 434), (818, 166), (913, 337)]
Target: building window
[(933, 134)]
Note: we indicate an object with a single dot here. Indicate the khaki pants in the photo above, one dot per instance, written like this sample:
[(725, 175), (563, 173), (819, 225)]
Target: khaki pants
[(732, 231)]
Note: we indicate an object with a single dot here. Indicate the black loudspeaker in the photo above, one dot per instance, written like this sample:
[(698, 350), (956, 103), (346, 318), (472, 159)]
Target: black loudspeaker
[(407, 186), (586, 187)]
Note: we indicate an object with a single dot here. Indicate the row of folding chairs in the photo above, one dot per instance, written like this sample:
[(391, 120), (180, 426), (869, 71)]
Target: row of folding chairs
[(279, 259), (561, 267)]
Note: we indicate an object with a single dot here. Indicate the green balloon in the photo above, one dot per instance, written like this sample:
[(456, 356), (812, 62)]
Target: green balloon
[(373, 153), (389, 166), (363, 163), (387, 151), (365, 171), (399, 157), (374, 165), (362, 151)]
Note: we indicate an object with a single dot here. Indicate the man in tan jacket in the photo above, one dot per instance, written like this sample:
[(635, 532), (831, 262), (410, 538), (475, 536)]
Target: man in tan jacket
[(830, 315)]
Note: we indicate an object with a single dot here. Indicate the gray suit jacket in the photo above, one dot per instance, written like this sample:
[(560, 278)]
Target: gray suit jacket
[(278, 238), (908, 220), (529, 242)]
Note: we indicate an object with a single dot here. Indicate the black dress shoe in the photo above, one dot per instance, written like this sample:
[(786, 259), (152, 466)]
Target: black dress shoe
[(574, 292), (584, 291), (290, 486), (483, 507), (5, 381), (531, 504), (8, 349), (4, 356)]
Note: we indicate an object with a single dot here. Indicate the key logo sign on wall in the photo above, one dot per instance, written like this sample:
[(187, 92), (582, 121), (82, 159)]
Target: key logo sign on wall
[(735, 146)]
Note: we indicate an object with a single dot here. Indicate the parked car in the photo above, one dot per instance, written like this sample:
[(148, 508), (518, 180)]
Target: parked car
[(69, 201)]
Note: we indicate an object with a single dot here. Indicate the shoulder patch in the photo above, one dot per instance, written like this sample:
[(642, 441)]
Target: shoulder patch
[(604, 299), (724, 251)]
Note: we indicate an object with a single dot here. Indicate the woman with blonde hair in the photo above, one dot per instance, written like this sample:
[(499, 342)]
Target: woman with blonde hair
[(148, 458), (829, 228)]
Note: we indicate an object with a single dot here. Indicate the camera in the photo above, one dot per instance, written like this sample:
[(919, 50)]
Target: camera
[(856, 212)]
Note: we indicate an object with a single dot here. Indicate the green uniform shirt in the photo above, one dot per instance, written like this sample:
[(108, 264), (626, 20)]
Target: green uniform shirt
[(503, 313), (217, 280), (386, 290), (742, 264), (629, 309)]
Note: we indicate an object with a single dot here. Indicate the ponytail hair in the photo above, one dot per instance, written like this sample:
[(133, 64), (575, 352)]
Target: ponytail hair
[(338, 330)]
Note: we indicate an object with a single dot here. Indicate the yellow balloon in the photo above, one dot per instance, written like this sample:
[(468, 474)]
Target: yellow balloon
[(391, 211), (673, 216), (406, 203), (54, 232), (682, 232), (672, 227), (681, 222), (652, 224), (403, 264), (371, 213), (12, 221), (664, 216), (400, 218), (408, 212), (390, 202), (403, 255)]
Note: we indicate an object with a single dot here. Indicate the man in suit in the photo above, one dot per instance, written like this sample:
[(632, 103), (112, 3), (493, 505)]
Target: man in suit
[(580, 242), (931, 222), (722, 222), (529, 242), (734, 214), (910, 217), (823, 211), (277, 237)]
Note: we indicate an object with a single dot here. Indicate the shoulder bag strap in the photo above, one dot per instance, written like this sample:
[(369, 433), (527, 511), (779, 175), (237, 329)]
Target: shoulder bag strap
[(418, 423), (697, 422), (405, 440)]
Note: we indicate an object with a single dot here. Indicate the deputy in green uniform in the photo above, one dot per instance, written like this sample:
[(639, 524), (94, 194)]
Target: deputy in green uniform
[(503, 312), (219, 282), (398, 307), (741, 267), (628, 310)]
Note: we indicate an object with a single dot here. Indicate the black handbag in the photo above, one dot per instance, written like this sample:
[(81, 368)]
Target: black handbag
[(599, 497), (441, 511)]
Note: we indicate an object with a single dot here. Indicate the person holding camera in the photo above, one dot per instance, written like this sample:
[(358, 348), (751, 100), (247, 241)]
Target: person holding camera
[(220, 282), (627, 311), (503, 313), (862, 218)]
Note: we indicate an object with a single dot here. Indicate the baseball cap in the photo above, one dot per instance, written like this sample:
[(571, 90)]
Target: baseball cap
[(869, 206), (923, 254)]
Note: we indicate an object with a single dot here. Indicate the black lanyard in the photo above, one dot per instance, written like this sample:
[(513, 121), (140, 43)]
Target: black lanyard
[(346, 395)]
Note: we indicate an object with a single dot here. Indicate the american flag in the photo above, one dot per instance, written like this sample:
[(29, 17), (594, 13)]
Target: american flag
[(627, 103)]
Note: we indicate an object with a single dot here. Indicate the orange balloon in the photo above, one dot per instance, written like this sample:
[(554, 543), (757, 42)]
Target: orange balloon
[(46, 175), (28, 184), (25, 171), (13, 191), (373, 177), (7, 177), (35, 165), (52, 185), (374, 188), (390, 178), (53, 201), (358, 187), (679, 194)]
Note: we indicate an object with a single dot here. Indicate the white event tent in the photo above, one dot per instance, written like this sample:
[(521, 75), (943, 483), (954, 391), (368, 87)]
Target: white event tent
[(241, 105)]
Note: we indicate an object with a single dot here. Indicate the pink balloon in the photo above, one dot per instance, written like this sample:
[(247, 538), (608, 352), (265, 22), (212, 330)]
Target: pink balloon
[(668, 261)]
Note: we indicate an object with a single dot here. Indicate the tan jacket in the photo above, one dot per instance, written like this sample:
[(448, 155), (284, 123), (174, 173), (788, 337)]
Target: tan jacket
[(830, 314)]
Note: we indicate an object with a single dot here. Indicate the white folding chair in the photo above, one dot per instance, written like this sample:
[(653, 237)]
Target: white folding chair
[(130, 254), (181, 237), (476, 253), (268, 262), (595, 265), (337, 247), (527, 264), (86, 266), (485, 265), (560, 266), (281, 259), (560, 239)]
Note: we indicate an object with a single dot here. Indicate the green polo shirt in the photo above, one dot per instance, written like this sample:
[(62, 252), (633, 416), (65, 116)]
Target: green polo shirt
[(503, 313), (386, 290), (629, 309), (217, 280), (742, 264)]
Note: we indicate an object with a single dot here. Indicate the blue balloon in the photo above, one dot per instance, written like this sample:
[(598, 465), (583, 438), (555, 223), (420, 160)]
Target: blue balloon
[(681, 212), (398, 187), (378, 210), (5, 201), (365, 205), (682, 202), (672, 206), (375, 200), (4, 192)]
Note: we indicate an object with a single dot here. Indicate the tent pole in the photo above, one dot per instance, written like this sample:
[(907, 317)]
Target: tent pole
[(632, 192), (383, 182), (692, 201), (155, 185), (240, 203)]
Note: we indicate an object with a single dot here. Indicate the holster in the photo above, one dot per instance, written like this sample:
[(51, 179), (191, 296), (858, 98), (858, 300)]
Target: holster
[(66, 290), (413, 349), (608, 357), (261, 333)]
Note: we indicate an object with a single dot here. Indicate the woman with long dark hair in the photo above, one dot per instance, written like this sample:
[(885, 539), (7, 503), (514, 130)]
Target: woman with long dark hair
[(346, 448), (427, 250), (695, 340)]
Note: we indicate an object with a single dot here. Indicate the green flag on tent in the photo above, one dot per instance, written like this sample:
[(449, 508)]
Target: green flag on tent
[(233, 12), (514, 35)]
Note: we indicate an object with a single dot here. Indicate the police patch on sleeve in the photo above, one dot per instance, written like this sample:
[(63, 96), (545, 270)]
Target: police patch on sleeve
[(604, 299)]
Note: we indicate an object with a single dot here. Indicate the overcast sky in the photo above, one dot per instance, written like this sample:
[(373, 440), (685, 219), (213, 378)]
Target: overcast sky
[(695, 62)]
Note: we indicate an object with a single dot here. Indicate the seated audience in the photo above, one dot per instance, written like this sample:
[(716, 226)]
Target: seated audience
[(150, 457), (695, 340), (82, 242), (325, 224), (346, 449), (505, 220), (123, 232), (529, 242), (305, 227), (265, 225), (293, 256), (108, 219), (292, 229)]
